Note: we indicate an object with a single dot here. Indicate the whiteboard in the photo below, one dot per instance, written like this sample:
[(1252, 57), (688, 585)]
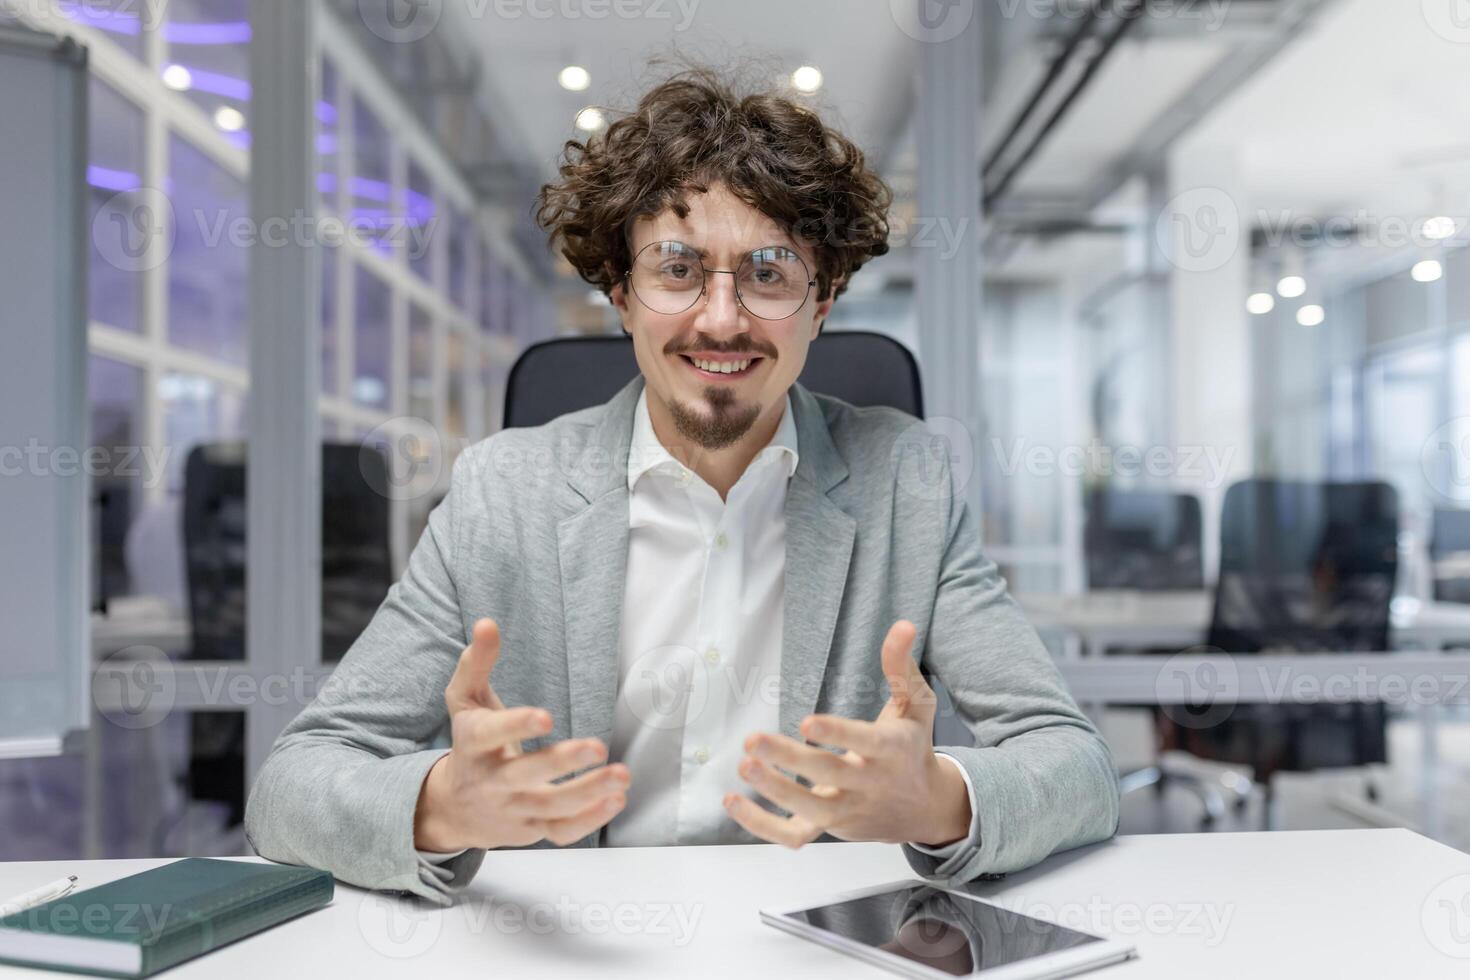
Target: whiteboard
[(44, 580)]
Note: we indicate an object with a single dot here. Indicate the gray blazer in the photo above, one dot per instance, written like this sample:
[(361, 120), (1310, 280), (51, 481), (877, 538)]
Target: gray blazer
[(534, 533)]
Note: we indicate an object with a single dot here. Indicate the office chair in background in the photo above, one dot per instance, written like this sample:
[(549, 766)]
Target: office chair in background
[(356, 574), (1449, 554), (1307, 568), (1152, 541), (563, 375)]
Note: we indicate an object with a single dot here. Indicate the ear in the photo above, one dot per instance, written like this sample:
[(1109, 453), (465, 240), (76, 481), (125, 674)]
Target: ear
[(819, 316), (618, 297)]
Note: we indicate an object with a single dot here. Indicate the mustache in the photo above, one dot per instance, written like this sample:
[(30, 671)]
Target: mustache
[(741, 345)]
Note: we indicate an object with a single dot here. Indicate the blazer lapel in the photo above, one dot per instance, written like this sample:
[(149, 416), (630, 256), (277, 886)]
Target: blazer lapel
[(819, 541), (592, 547)]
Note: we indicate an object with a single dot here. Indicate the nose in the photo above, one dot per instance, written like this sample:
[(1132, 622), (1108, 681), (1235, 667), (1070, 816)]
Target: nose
[(721, 315)]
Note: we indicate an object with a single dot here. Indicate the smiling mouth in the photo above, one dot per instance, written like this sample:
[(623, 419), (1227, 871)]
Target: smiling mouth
[(723, 370)]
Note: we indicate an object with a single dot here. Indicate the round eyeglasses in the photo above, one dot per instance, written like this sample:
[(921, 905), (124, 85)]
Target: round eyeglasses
[(771, 282)]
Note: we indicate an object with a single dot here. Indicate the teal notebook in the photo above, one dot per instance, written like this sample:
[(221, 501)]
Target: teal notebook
[(136, 926)]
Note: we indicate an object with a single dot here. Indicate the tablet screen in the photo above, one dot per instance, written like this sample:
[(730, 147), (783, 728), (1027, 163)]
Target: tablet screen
[(941, 930)]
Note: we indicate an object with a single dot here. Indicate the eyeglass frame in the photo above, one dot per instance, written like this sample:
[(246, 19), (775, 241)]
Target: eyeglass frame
[(704, 285)]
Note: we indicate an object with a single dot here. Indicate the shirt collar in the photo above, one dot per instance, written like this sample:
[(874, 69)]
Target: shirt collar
[(646, 453)]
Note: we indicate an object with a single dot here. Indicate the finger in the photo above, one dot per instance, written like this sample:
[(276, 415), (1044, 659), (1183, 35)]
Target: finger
[(790, 832), (819, 805), (557, 801), (572, 829), (470, 685), (485, 731), (905, 681), (555, 761), (818, 765), (863, 737)]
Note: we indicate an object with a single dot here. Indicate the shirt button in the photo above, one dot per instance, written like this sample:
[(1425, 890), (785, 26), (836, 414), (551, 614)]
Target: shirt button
[(701, 756), (712, 655), (721, 541)]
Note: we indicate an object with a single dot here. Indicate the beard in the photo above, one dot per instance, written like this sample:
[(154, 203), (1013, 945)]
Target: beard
[(722, 426)]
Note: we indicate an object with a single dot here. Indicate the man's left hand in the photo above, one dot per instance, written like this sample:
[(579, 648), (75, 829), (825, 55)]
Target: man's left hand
[(888, 785)]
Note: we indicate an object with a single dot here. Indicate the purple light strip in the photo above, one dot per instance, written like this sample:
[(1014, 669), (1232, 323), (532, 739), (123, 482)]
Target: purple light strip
[(217, 84), (227, 32), (112, 180)]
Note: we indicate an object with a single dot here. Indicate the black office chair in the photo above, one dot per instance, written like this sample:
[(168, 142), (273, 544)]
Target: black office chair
[(356, 574), (1151, 541), (563, 375), (1148, 540), (559, 376), (1449, 554), (1306, 568)]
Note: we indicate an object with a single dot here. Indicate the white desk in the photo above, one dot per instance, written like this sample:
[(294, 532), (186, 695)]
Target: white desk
[(1108, 618), (1335, 903)]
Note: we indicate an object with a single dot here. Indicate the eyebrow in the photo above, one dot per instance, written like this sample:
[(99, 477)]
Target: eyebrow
[(703, 253)]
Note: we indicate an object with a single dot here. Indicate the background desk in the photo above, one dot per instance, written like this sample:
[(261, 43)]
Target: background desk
[(1102, 619), (1335, 903)]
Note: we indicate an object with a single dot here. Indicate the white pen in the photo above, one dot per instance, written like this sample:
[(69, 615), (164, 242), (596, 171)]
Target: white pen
[(45, 893)]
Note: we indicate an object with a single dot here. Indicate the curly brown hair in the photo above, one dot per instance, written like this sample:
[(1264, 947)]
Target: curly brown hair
[(693, 130)]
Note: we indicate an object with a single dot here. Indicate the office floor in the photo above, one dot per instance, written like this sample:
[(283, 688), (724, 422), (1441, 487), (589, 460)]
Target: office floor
[(41, 800), (1307, 800)]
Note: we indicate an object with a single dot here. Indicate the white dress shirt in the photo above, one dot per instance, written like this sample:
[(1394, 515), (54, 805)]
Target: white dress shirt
[(699, 653)]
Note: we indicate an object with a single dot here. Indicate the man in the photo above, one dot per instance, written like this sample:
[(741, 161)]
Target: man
[(702, 612)]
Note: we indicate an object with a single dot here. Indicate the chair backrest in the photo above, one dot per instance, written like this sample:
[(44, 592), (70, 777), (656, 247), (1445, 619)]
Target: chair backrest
[(356, 559), (1449, 552), (1143, 539), (1306, 566), (570, 373)]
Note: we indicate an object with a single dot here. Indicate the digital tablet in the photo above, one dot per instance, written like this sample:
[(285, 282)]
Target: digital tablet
[(918, 929)]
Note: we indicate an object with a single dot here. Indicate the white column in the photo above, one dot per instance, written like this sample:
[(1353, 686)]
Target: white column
[(1204, 233), (283, 490)]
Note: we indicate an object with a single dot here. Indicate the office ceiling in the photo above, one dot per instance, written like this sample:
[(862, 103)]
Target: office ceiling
[(866, 61)]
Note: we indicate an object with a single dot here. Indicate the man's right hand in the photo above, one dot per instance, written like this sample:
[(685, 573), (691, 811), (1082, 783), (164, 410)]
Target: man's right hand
[(487, 793)]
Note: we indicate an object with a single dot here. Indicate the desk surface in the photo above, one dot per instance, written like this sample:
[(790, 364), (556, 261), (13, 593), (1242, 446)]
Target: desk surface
[(1338, 903), (1183, 617)]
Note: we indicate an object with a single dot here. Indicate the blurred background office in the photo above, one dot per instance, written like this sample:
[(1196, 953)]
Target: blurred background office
[(1196, 316)]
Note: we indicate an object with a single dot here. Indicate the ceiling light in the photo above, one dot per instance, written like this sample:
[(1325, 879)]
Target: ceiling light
[(178, 78), (1311, 315), (1427, 271), (230, 119), (1439, 228), (1291, 287), (1260, 303), (574, 78), (806, 79), (591, 119)]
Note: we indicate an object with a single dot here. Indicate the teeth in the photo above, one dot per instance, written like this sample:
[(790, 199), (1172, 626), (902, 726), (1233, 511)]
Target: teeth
[(722, 367)]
